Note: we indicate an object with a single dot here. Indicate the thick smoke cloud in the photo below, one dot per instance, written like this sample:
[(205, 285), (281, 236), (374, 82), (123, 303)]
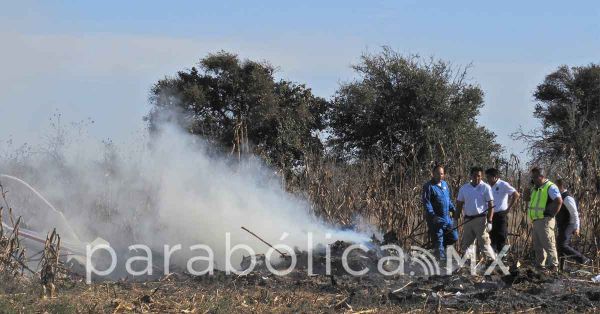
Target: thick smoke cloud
[(165, 189)]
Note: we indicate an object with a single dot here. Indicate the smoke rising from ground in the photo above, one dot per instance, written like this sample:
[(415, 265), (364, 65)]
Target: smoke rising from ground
[(166, 189)]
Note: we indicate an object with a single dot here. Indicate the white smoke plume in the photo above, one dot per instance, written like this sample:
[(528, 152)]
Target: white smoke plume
[(166, 189)]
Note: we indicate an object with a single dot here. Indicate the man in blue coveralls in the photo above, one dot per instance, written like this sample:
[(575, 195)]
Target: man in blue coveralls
[(438, 206)]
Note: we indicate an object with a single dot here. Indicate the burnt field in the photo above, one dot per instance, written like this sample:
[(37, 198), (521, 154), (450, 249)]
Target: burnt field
[(521, 289), (524, 290)]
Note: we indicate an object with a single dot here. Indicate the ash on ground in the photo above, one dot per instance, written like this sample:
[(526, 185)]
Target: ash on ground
[(523, 288)]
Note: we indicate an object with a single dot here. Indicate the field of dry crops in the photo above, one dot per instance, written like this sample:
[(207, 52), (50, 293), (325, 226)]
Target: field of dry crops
[(389, 198), (386, 197)]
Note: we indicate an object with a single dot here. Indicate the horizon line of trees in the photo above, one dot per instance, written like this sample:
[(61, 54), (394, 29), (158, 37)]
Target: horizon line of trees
[(400, 110)]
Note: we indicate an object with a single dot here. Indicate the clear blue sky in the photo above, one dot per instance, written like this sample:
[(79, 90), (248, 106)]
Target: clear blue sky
[(98, 59)]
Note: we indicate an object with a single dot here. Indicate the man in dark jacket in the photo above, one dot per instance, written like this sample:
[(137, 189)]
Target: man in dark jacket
[(438, 205), (567, 223)]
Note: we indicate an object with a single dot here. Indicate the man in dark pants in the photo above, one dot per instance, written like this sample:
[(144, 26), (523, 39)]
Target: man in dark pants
[(505, 197), (438, 205), (567, 223)]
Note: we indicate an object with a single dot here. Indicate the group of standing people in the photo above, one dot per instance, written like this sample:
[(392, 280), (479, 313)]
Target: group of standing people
[(485, 207)]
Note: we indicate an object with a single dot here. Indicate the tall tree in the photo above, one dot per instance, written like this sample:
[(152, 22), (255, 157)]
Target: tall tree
[(238, 105), (568, 107), (408, 109)]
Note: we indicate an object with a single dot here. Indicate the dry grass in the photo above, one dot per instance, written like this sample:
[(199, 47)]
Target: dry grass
[(303, 294), (193, 295)]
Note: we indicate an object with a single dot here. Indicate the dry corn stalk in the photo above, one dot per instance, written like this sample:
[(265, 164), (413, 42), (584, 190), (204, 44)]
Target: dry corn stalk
[(12, 255), (49, 264)]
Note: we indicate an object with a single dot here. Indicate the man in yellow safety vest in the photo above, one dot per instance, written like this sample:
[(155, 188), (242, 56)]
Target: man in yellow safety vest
[(544, 204)]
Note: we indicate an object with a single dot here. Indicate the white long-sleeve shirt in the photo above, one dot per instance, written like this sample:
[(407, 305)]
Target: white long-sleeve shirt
[(569, 202)]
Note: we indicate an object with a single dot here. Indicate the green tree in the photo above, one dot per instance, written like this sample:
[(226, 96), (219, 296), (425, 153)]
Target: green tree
[(407, 109), (239, 106), (568, 107)]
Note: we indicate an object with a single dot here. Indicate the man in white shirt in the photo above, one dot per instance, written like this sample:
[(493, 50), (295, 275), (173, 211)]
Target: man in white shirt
[(505, 197), (567, 223), (476, 199)]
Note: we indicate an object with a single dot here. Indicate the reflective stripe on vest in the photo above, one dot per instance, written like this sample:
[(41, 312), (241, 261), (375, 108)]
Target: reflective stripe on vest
[(539, 199)]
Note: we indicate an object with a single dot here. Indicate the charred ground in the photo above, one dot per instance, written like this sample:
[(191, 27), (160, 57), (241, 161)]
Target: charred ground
[(524, 289)]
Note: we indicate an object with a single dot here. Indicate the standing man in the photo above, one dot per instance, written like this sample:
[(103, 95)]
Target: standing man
[(567, 223), (438, 206), (544, 204), (505, 197), (477, 200)]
